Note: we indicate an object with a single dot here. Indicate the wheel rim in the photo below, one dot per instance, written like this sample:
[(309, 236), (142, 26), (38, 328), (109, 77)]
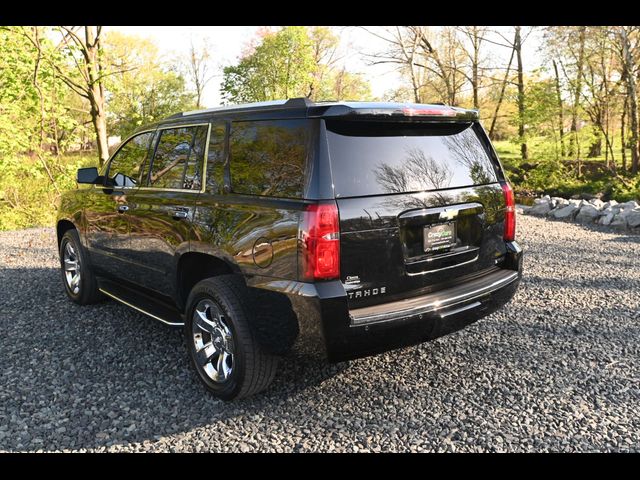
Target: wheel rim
[(71, 261), (213, 341)]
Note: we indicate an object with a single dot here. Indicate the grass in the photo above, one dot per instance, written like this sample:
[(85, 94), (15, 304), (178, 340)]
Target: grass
[(544, 173)]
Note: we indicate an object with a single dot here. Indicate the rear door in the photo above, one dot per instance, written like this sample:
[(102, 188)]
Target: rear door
[(161, 211), (421, 206)]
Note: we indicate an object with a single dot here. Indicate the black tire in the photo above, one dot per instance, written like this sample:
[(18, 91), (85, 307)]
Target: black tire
[(87, 292), (253, 369)]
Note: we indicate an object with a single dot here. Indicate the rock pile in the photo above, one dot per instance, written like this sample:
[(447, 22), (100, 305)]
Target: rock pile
[(618, 215)]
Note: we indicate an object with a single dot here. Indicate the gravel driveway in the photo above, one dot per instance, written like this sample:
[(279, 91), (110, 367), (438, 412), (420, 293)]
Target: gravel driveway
[(558, 369)]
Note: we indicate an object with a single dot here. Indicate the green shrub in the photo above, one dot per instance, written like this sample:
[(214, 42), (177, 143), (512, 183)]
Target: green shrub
[(27, 196)]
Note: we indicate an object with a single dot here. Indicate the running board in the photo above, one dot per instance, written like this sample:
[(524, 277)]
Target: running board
[(142, 303)]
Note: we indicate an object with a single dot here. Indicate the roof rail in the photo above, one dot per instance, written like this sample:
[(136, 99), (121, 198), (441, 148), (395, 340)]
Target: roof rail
[(300, 102)]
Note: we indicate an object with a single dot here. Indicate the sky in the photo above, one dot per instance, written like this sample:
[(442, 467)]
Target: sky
[(228, 42)]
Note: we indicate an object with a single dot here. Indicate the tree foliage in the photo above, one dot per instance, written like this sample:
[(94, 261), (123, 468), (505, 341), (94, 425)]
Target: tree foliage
[(145, 89), (292, 62)]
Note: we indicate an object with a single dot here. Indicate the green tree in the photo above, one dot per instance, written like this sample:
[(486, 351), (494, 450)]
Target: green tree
[(292, 62), (280, 67), (145, 89)]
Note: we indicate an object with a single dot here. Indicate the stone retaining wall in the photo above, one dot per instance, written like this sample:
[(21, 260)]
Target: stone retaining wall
[(624, 216)]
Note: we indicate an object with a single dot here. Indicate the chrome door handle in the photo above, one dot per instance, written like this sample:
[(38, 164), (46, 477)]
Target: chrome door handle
[(123, 208), (181, 213)]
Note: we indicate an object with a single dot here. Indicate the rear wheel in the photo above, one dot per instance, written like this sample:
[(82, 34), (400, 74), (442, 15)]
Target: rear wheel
[(222, 346), (79, 281)]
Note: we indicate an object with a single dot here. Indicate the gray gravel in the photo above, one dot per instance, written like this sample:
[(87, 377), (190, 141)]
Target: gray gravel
[(556, 370)]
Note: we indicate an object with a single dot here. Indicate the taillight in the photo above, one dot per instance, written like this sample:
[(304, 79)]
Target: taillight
[(320, 238), (411, 111), (510, 213)]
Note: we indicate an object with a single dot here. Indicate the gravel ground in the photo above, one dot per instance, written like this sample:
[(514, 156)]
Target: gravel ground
[(558, 369)]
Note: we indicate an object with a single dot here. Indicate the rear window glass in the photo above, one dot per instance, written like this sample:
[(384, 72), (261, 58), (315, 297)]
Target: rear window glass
[(374, 158), (268, 157)]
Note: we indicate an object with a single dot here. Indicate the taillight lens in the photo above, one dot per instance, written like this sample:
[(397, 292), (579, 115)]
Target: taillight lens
[(510, 213), (445, 112), (320, 238)]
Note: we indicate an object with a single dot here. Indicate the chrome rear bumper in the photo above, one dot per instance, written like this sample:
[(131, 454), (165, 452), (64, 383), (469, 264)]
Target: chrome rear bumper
[(432, 302)]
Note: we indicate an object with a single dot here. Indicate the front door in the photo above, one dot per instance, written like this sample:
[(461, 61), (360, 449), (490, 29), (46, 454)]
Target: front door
[(106, 208), (161, 211)]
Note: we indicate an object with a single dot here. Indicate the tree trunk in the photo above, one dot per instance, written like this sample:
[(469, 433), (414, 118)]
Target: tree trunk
[(518, 48), (501, 97), (474, 74), (595, 149), (96, 92), (622, 135), (632, 96), (560, 110), (99, 121), (573, 139)]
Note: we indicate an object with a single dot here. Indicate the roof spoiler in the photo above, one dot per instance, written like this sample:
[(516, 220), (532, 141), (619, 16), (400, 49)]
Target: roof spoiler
[(299, 102)]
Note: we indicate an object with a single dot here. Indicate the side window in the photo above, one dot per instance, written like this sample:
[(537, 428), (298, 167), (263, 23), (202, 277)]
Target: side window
[(215, 160), (178, 159), (268, 157), (126, 166)]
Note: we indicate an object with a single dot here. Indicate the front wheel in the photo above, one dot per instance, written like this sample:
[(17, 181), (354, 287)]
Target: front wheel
[(79, 281), (223, 348)]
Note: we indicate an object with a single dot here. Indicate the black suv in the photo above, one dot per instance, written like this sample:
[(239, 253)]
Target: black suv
[(348, 229)]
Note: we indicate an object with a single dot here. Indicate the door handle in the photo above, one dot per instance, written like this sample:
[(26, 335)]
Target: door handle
[(123, 208), (180, 213)]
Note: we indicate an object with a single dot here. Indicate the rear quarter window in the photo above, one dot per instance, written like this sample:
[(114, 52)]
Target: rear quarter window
[(268, 158), (370, 158)]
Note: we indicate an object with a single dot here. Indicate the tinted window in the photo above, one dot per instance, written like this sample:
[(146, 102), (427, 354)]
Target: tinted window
[(126, 166), (268, 158), (369, 158), (215, 160), (177, 162)]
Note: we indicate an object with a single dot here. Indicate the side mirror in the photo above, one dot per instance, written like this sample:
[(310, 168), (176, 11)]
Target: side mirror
[(89, 175)]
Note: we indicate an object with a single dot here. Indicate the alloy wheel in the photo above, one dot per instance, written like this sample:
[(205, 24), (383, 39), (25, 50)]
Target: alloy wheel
[(213, 341), (71, 261)]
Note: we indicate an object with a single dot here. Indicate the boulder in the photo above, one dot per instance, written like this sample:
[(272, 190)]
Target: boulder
[(545, 199), (596, 202), (606, 219), (587, 214), (540, 209), (566, 213), (610, 203), (633, 218), (626, 212), (618, 221), (559, 202), (631, 204)]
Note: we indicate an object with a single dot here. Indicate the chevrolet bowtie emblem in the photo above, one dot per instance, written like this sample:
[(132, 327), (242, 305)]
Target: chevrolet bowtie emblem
[(448, 214)]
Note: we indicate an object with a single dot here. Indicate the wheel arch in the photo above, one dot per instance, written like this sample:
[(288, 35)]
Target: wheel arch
[(194, 266), (62, 226)]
